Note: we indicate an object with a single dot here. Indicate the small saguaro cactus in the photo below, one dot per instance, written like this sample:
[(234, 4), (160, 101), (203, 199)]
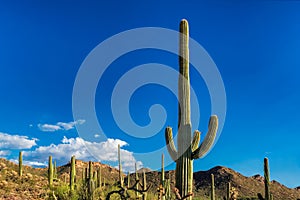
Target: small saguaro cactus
[(187, 149), (20, 164), (54, 170), (128, 179), (99, 177), (144, 186), (212, 193), (120, 167), (72, 173), (168, 187), (162, 179), (50, 172), (91, 183), (136, 180), (268, 195), (228, 196)]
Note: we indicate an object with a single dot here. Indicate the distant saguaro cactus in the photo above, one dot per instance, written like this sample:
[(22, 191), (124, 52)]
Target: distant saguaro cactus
[(162, 178), (50, 172), (72, 173), (268, 195), (54, 170), (120, 167), (99, 177), (20, 164), (144, 187), (212, 193), (187, 150)]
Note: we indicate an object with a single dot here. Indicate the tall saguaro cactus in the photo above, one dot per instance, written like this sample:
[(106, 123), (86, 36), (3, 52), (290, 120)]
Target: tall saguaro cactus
[(268, 195), (50, 172), (72, 173), (20, 163), (162, 179), (267, 179), (212, 193), (187, 149), (120, 167)]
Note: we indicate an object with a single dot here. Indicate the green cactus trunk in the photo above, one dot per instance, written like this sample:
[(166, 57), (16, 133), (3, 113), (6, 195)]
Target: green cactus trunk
[(187, 149), (99, 181), (120, 167), (167, 189), (144, 196), (72, 173), (54, 170), (162, 178), (128, 180), (20, 163), (267, 179), (50, 172), (228, 191), (212, 193), (91, 183), (136, 179)]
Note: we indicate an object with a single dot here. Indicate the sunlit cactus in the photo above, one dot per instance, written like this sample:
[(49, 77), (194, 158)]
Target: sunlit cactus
[(20, 164), (268, 195), (120, 167), (99, 177), (54, 170), (144, 187), (50, 172), (187, 149), (72, 173), (212, 192), (162, 178)]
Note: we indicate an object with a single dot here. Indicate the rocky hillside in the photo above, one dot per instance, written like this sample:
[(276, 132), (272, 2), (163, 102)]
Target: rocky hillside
[(33, 183)]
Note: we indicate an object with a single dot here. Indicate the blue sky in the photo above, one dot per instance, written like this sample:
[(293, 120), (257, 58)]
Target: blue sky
[(255, 46)]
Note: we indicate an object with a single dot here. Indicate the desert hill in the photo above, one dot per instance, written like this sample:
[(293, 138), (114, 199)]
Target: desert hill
[(33, 183)]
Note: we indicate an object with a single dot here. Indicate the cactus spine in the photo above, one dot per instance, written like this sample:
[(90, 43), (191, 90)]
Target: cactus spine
[(20, 163), (50, 172), (187, 150), (120, 167), (212, 194), (72, 173)]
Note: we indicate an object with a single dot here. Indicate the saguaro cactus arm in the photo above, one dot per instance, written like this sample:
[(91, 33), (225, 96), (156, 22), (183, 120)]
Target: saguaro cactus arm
[(196, 140), (170, 143), (208, 140)]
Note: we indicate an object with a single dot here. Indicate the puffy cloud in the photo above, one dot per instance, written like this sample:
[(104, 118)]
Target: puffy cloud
[(4, 153), (106, 151), (8, 141), (49, 127), (60, 126), (30, 163)]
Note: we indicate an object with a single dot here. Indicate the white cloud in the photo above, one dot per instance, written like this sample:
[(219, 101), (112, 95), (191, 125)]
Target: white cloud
[(60, 126), (30, 163), (96, 135), (49, 127), (8, 141), (102, 151), (4, 153)]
